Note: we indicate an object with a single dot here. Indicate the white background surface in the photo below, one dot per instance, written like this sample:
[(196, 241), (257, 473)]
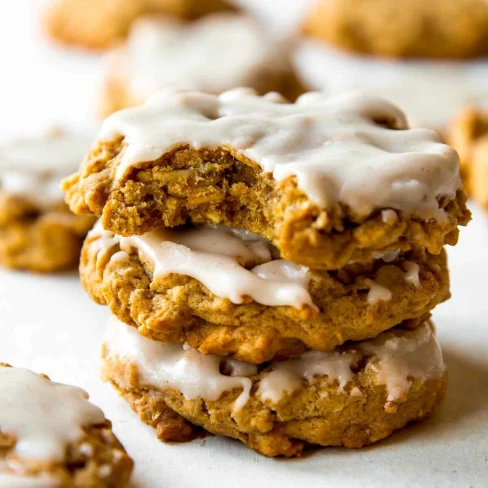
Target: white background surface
[(48, 324)]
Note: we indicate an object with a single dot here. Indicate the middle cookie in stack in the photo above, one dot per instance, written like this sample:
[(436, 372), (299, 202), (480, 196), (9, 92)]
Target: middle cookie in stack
[(358, 203)]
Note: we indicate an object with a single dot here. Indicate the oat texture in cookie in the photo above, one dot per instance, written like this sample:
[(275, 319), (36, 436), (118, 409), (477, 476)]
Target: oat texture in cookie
[(328, 181), (226, 291), (216, 53), (352, 396), (53, 437)]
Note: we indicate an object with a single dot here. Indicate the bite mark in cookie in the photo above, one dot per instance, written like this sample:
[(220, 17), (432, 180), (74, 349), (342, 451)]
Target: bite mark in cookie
[(314, 176)]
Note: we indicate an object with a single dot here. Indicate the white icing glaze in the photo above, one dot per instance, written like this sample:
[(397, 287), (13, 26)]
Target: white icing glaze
[(163, 51), (395, 358), (387, 257), (389, 216), (430, 91), (378, 292), (412, 273), (214, 256), (104, 471), (19, 481), (288, 376), (333, 146), (403, 356), (35, 166), (43, 416), (356, 392), (172, 366)]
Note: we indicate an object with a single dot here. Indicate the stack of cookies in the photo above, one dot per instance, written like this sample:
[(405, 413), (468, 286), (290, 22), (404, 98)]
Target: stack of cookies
[(270, 266)]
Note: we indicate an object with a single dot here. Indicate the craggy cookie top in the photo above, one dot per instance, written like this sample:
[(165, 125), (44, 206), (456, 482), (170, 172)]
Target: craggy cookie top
[(201, 55), (395, 357), (34, 167), (352, 150)]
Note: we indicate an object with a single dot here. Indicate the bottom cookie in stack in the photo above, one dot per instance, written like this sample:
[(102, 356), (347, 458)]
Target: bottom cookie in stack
[(353, 396)]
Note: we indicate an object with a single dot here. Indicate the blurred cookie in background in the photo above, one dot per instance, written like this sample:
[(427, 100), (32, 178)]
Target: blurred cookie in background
[(420, 55), (468, 134), (403, 28), (214, 54), (99, 24), (37, 230)]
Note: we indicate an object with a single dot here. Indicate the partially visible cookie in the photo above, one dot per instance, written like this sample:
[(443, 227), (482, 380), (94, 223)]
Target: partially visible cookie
[(353, 396), (37, 230), (214, 54), (222, 291), (51, 436), (327, 180), (403, 28), (468, 134), (99, 24)]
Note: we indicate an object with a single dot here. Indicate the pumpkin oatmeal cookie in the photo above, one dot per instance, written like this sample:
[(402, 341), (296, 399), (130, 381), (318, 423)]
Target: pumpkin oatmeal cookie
[(96, 24), (37, 230), (222, 291), (201, 55), (403, 28), (353, 396), (468, 134), (328, 181), (51, 436)]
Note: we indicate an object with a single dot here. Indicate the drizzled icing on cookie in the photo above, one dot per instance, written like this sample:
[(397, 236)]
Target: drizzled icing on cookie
[(400, 357), (43, 416), (338, 148), (412, 273), (163, 51), (182, 368), (378, 293), (35, 167), (215, 256), (288, 376), (386, 275), (395, 358)]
